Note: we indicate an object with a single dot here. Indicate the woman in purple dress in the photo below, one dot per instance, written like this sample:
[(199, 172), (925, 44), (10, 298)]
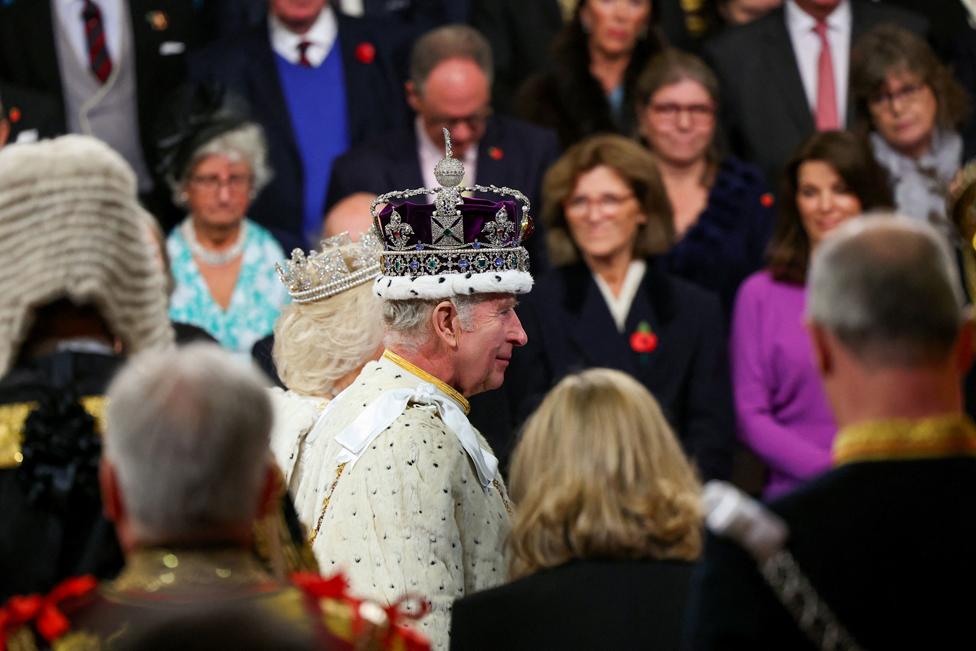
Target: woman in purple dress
[(781, 409)]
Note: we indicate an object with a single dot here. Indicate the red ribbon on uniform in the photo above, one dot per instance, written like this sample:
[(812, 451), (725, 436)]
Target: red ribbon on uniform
[(43, 611)]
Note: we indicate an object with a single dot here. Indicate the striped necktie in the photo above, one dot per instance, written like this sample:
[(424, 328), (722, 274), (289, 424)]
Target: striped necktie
[(98, 59)]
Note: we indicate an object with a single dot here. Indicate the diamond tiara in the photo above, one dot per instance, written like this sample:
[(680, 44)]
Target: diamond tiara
[(340, 264)]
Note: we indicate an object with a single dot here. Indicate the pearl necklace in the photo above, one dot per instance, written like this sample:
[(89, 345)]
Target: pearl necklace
[(207, 256)]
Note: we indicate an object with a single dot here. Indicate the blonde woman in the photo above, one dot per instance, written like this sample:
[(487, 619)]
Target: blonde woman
[(605, 530), (321, 342)]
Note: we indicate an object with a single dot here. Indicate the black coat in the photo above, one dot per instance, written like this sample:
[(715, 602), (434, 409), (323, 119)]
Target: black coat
[(570, 329), (46, 540), (887, 544), (765, 113), (596, 604), (246, 64)]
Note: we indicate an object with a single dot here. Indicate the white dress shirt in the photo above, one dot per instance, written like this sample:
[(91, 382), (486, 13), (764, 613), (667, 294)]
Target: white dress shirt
[(619, 306), (806, 46), (430, 154), (321, 37), (68, 14)]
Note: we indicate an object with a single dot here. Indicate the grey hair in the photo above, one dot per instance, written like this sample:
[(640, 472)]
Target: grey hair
[(449, 42), (187, 433), (246, 143), (887, 287), (408, 321)]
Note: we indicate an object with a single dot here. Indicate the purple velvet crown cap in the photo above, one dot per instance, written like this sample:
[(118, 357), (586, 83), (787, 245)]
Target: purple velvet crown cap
[(476, 213)]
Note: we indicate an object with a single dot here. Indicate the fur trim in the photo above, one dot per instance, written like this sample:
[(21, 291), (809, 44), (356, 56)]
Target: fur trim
[(395, 288)]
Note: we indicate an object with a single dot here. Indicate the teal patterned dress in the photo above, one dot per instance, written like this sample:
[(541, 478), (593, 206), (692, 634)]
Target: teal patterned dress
[(255, 303)]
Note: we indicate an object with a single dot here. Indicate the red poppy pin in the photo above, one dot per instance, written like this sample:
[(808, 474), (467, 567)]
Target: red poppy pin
[(643, 341), (365, 52), (496, 153), (14, 114), (767, 200), (157, 20)]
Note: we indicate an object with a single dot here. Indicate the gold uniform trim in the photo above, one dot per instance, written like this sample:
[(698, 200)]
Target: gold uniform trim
[(953, 435), (14, 415), (427, 377)]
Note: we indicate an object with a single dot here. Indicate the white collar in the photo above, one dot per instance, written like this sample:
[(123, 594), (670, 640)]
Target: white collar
[(798, 20), (322, 36), (619, 306)]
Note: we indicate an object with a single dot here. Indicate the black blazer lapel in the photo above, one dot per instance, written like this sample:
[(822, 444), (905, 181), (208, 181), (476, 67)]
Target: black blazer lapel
[(653, 303), (490, 166), (405, 161), (264, 85), (593, 333), (784, 74), (41, 50)]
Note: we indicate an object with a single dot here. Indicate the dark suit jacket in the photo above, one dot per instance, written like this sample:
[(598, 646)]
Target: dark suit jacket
[(570, 329), (28, 56), (31, 115), (764, 108), (888, 546), (512, 153), (246, 64), (596, 604)]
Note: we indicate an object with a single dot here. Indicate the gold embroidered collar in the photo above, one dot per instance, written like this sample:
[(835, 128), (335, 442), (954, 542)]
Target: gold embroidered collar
[(157, 569), (427, 377), (887, 440), (14, 415)]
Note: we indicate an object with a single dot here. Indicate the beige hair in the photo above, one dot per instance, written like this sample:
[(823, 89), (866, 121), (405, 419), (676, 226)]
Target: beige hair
[(599, 473), (71, 228), (635, 166), (317, 343)]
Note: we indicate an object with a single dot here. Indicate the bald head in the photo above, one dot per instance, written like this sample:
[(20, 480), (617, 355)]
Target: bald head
[(351, 215)]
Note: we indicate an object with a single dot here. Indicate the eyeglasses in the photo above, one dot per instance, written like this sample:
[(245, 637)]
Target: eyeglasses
[(475, 121), (606, 203), (907, 94), (697, 113), (212, 182)]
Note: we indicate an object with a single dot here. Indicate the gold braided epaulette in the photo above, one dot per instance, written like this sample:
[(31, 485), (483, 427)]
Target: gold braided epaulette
[(14, 415)]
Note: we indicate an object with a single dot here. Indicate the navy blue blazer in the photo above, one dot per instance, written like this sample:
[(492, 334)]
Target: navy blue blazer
[(512, 153), (246, 64), (570, 329), (888, 546)]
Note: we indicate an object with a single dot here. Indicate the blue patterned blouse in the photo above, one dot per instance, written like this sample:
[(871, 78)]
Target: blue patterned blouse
[(255, 303)]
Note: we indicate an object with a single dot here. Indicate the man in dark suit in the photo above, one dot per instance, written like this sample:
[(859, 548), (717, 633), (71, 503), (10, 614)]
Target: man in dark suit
[(45, 47), (885, 537), (770, 77), (449, 87), (318, 82)]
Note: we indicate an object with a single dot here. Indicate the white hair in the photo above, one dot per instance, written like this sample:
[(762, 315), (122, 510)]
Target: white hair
[(317, 343), (887, 287), (408, 321), (187, 433), (246, 144)]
